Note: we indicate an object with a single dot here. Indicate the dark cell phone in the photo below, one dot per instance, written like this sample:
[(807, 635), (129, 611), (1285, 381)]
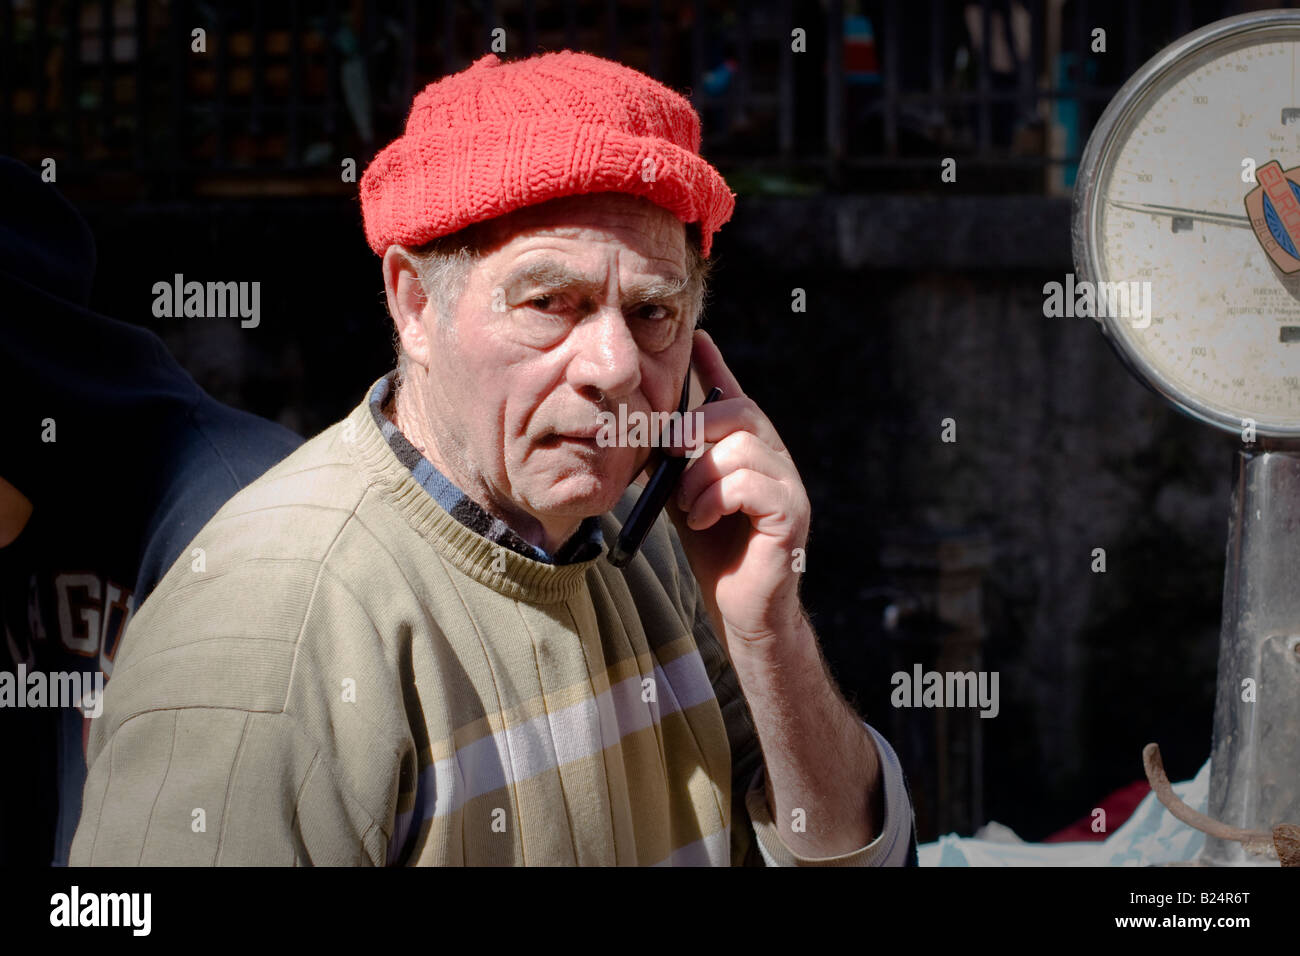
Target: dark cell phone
[(660, 487)]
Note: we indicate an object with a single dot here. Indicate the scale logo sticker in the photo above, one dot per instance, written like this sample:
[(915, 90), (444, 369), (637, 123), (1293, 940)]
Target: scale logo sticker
[(1274, 210)]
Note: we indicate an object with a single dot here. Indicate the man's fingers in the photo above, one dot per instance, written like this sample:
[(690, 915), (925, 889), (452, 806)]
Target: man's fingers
[(710, 368), (738, 451), (751, 492), (712, 423)]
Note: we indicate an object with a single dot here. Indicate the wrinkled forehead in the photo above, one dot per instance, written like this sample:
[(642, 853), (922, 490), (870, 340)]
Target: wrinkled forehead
[(592, 224)]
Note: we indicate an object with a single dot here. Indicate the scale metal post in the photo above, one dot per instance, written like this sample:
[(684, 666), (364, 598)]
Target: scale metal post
[(1255, 763), (1164, 195)]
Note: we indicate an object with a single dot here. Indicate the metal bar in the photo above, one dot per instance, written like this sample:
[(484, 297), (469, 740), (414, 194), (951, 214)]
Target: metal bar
[(1081, 37), (142, 151), (1034, 74), (41, 43), (834, 86), (7, 51), (697, 55), (448, 36), (1083, 41), (408, 50), (72, 78), (180, 49), (740, 83), (611, 29), (936, 46), (367, 51), (259, 68), (293, 155), (1025, 64), (106, 91), (1253, 760), (786, 82), (1037, 54), (332, 76), (1131, 28), (893, 25), (985, 125), (656, 39), (221, 40)]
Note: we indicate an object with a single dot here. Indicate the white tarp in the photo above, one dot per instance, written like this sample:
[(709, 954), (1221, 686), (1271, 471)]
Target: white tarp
[(1151, 835)]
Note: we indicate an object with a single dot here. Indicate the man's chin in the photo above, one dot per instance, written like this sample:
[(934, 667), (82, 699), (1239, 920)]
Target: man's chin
[(580, 496)]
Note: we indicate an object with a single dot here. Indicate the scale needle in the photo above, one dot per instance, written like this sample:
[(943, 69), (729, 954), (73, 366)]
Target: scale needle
[(1222, 218)]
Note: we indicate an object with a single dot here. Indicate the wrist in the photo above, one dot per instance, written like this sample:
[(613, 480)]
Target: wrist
[(790, 644)]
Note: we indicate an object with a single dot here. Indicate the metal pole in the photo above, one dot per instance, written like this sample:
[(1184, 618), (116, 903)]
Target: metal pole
[(834, 88), (1255, 761)]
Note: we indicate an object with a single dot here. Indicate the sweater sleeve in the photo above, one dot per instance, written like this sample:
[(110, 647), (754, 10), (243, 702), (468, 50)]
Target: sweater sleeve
[(217, 744), (218, 787), (895, 846)]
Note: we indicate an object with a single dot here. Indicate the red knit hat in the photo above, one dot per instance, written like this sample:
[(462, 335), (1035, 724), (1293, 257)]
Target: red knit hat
[(498, 136)]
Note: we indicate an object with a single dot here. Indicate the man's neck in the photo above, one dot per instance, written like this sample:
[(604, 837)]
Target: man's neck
[(409, 414)]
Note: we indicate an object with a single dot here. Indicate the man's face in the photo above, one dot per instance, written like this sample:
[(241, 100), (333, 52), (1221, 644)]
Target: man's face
[(579, 306)]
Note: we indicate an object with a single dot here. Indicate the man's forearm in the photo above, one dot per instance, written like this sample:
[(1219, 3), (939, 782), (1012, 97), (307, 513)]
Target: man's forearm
[(823, 774)]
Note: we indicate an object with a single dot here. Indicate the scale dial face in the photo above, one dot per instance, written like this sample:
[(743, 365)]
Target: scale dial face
[(1165, 196)]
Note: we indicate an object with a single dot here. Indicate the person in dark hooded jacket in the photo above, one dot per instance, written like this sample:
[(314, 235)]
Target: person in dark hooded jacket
[(111, 459)]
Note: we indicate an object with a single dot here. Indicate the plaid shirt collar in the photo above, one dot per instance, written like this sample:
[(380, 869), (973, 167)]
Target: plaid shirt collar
[(586, 543)]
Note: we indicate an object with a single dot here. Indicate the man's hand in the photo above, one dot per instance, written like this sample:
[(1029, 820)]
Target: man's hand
[(741, 511)]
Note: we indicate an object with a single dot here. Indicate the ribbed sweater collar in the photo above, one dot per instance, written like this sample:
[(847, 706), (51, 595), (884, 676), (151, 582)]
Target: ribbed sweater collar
[(474, 555)]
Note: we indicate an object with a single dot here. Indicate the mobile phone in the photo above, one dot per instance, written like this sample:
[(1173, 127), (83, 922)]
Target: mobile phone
[(663, 482)]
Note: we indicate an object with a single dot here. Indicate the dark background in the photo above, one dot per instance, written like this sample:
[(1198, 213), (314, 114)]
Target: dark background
[(924, 302)]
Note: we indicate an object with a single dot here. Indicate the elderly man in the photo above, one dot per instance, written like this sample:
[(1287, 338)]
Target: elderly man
[(406, 646)]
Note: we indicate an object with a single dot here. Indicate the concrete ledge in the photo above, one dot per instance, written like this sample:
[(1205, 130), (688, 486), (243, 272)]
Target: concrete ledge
[(976, 233)]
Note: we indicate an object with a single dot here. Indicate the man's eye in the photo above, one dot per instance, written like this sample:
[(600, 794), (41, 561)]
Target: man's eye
[(543, 302), (654, 312)]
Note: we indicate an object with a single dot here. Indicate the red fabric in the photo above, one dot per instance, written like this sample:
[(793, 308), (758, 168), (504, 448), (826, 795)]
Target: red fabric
[(1119, 806), (498, 136)]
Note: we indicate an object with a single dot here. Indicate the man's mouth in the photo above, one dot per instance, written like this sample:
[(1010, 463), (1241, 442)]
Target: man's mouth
[(585, 437)]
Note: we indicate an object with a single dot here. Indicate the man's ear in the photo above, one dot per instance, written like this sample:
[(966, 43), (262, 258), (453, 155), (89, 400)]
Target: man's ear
[(15, 512), (407, 303)]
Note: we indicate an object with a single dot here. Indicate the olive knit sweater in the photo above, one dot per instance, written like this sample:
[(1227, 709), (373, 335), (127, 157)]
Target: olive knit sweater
[(336, 671)]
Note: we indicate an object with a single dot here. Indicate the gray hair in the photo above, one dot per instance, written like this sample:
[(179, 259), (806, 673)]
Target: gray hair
[(444, 264)]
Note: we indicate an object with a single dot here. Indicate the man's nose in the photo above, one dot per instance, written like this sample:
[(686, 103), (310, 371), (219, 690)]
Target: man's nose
[(608, 359)]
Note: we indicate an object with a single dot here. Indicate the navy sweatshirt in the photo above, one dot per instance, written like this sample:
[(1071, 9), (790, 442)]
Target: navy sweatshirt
[(124, 458)]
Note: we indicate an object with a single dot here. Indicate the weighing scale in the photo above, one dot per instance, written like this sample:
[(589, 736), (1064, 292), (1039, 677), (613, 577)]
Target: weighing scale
[(1191, 182)]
